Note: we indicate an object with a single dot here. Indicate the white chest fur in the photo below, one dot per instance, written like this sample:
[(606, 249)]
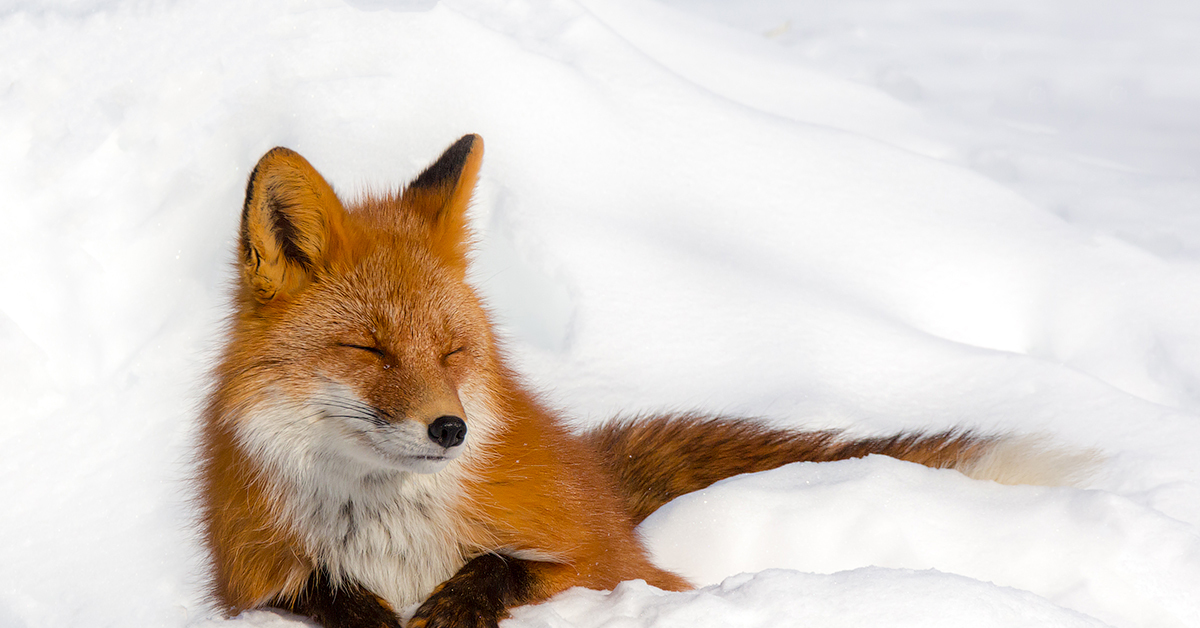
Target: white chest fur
[(390, 531), (394, 532)]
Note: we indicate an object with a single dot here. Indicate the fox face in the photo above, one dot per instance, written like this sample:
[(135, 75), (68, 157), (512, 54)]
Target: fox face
[(384, 381), (361, 336)]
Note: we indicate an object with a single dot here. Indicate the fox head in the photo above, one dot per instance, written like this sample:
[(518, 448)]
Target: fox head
[(357, 337)]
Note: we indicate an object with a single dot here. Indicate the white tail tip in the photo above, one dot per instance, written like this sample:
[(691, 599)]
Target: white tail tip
[(1032, 460)]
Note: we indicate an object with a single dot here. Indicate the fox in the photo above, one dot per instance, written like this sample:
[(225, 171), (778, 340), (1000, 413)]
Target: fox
[(367, 458)]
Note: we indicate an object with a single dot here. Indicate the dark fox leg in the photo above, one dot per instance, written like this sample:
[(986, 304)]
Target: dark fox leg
[(654, 460), (347, 605), (479, 595)]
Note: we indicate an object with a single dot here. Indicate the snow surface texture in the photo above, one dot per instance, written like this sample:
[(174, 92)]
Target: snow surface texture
[(863, 215)]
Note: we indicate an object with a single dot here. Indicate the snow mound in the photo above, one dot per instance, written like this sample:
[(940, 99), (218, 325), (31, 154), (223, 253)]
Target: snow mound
[(874, 218)]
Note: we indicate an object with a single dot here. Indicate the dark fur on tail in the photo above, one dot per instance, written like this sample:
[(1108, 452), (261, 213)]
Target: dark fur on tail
[(656, 459)]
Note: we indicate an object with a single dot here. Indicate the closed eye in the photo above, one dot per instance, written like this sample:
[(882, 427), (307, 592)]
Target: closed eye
[(375, 350), (451, 354)]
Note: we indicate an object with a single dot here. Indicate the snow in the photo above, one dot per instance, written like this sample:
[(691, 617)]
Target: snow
[(867, 216)]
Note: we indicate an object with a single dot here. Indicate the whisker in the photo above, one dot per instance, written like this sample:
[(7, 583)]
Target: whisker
[(351, 404), (378, 421), (353, 409), (341, 402)]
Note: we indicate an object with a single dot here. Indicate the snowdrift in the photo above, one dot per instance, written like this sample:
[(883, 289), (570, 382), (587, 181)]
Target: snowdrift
[(697, 208)]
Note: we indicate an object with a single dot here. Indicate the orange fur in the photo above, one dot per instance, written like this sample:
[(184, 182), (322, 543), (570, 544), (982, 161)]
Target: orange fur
[(332, 482)]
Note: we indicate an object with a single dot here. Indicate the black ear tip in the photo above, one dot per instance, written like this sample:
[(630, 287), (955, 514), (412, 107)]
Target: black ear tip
[(469, 139), (466, 143), (449, 166)]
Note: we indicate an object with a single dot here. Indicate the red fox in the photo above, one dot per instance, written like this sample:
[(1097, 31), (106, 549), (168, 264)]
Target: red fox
[(365, 448)]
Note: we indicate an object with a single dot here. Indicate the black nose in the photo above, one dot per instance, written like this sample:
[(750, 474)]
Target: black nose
[(448, 431)]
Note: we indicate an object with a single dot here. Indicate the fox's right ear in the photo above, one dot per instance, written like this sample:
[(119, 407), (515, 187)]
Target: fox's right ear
[(441, 195), (293, 226)]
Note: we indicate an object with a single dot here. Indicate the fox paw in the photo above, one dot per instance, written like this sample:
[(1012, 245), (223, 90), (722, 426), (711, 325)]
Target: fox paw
[(349, 605), (478, 596), (451, 606)]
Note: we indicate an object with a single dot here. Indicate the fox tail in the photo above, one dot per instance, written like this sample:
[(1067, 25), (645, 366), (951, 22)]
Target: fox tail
[(656, 459)]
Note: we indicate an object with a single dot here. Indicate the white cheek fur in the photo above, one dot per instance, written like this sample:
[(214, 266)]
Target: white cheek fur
[(356, 503)]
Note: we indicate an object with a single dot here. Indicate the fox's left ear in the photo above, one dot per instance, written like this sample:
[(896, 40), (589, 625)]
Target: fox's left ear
[(293, 226), (441, 195)]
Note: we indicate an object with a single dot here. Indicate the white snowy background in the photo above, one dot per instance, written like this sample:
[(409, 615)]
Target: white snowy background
[(860, 214)]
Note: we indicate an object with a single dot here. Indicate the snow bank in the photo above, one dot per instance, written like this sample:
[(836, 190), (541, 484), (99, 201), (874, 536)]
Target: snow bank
[(871, 595), (674, 212)]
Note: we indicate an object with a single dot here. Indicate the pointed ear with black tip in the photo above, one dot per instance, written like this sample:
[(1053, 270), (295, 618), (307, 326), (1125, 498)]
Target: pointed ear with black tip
[(293, 226), (441, 195)]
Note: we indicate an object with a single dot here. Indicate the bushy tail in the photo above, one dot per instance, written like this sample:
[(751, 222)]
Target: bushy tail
[(656, 459)]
